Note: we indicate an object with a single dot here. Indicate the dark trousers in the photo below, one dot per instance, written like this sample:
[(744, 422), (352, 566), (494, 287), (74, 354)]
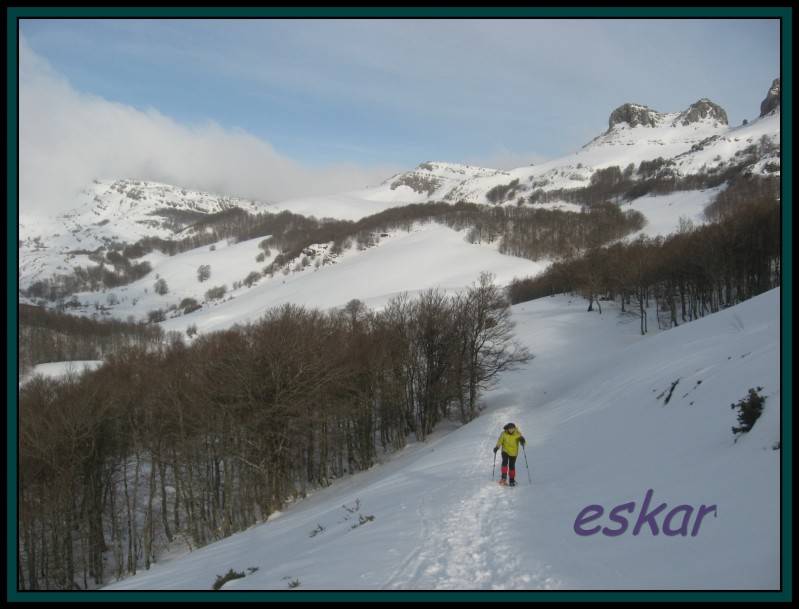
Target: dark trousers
[(508, 466)]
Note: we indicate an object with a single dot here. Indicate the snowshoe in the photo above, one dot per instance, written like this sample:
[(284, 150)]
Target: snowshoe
[(503, 482), (512, 483)]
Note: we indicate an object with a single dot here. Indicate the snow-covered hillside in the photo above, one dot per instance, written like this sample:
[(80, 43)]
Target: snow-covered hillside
[(695, 141), (57, 370), (663, 212), (609, 415), (108, 211), (431, 255), (429, 181), (695, 148)]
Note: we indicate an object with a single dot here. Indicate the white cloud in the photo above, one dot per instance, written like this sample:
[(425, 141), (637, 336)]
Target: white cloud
[(67, 138)]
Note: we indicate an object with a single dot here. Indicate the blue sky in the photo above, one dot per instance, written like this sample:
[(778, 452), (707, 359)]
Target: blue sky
[(405, 91), (394, 93)]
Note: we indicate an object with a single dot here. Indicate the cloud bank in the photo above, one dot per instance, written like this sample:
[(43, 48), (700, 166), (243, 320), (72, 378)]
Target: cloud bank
[(67, 138)]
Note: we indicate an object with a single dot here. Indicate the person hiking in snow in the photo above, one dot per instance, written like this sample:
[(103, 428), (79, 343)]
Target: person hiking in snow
[(509, 441)]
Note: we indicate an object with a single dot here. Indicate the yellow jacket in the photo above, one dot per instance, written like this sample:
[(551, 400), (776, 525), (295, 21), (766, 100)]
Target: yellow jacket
[(509, 442)]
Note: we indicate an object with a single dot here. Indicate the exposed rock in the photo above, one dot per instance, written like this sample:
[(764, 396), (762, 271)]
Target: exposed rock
[(418, 183), (772, 101), (634, 115), (701, 110)]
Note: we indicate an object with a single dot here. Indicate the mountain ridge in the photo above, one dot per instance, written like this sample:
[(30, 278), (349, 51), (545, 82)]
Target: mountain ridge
[(695, 141)]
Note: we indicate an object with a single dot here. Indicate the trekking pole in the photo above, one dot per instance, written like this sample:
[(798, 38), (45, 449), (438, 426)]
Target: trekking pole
[(494, 469), (527, 466)]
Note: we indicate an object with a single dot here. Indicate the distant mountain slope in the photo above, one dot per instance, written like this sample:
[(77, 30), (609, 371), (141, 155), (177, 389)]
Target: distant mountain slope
[(640, 141), (428, 256), (697, 140), (121, 211)]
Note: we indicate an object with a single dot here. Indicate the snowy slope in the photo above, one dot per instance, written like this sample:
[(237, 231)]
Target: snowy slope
[(122, 211), (592, 405), (695, 147), (696, 140), (663, 212), (429, 181), (431, 255), (57, 370), (228, 263)]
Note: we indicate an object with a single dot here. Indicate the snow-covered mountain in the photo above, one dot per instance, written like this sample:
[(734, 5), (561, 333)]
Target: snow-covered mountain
[(697, 140), (114, 211), (127, 210), (604, 425)]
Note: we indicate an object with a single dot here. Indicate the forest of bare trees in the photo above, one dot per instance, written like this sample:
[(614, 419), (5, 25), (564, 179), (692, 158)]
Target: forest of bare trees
[(193, 443), (689, 274), (49, 336)]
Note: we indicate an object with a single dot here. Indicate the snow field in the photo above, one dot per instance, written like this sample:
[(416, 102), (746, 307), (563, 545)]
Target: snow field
[(432, 255), (55, 370)]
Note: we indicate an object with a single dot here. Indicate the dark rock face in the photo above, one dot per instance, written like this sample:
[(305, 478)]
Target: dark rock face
[(419, 183), (772, 101), (634, 115), (702, 109)]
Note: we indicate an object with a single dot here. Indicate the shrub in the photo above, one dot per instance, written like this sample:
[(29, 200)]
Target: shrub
[(250, 279), (156, 316), (221, 580), (362, 520), (750, 409), (161, 287), (203, 272), (189, 305), (502, 192), (216, 292)]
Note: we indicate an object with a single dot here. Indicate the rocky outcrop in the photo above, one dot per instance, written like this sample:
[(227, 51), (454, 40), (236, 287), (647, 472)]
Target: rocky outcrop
[(772, 101), (422, 184), (704, 109), (634, 115)]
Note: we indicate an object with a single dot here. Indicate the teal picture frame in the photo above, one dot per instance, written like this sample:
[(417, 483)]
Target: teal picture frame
[(784, 14)]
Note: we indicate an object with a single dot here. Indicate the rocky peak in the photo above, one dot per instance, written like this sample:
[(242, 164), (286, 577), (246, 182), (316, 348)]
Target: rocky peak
[(701, 110), (634, 115), (772, 101)]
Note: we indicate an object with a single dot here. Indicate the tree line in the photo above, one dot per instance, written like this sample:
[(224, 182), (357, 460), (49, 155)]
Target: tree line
[(198, 442), (658, 177), (50, 336), (527, 232), (689, 274), (520, 231)]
